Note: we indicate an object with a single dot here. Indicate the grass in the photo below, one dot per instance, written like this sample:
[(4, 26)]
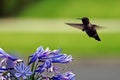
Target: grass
[(73, 8), (24, 36), (76, 44)]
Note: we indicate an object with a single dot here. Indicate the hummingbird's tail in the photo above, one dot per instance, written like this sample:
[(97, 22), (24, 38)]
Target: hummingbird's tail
[(97, 37)]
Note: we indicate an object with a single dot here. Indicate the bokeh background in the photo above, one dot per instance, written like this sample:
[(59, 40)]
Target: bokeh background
[(27, 24)]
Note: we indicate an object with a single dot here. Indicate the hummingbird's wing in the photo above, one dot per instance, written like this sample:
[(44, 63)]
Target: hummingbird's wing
[(97, 26), (76, 25)]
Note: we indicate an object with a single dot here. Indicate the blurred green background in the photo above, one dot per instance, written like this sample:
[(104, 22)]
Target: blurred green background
[(61, 8), (27, 24)]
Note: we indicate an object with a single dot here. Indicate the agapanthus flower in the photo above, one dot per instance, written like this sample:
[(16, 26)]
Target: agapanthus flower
[(61, 58), (55, 56), (3, 54), (2, 71), (7, 60), (22, 70), (2, 78), (43, 66), (47, 65), (48, 57), (35, 56), (64, 76)]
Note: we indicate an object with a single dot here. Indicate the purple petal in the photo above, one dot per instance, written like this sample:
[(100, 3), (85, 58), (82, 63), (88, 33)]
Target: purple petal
[(38, 53), (27, 69), (22, 70), (40, 49), (17, 74), (3, 53), (29, 73), (24, 77), (64, 76)]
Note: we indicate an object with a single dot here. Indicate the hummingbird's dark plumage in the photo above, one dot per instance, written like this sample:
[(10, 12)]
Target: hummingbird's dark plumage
[(89, 28)]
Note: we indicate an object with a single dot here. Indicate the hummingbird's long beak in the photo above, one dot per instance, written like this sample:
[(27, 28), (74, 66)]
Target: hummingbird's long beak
[(78, 18)]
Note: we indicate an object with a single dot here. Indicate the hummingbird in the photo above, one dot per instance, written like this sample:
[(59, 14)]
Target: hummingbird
[(86, 26)]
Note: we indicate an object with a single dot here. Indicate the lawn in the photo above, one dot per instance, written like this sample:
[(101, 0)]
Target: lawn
[(73, 9), (23, 36), (76, 44)]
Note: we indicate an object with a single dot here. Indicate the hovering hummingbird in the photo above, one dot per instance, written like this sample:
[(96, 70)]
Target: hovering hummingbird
[(86, 26)]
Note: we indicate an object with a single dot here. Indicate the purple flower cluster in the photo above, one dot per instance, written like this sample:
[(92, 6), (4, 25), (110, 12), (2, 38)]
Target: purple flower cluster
[(42, 65)]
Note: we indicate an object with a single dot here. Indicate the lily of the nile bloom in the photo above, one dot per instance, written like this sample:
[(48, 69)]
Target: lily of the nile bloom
[(2, 78), (51, 57), (64, 76), (10, 65), (61, 58), (47, 65), (55, 56), (35, 56), (22, 71), (2, 71), (3, 54), (6, 59)]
